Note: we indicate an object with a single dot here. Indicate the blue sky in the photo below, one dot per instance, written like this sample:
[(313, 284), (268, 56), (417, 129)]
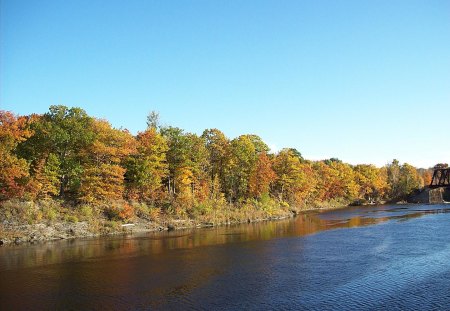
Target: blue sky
[(364, 81)]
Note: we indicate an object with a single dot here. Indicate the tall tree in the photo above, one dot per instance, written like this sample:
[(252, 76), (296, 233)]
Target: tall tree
[(217, 146), (241, 162), (153, 120), (339, 181), (187, 159), (295, 181), (66, 133), (258, 143), (102, 177), (177, 155), (426, 175), (393, 178), (372, 182), (261, 176), (45, 177), (199, 166), (147, 167), (410, 179)]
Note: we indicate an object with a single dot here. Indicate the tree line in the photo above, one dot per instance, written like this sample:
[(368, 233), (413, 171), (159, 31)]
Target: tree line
[(69, 155)]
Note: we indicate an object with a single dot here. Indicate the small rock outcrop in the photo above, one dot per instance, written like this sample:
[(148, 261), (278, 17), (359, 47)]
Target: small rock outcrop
[(170, 227)]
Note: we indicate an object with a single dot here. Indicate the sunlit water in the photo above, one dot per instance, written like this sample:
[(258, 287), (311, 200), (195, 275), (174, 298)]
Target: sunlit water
[(382, 257)]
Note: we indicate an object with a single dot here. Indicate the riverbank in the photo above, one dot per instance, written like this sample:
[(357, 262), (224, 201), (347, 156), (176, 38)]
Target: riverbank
[(36, 222), (15, 234), (29, 222)]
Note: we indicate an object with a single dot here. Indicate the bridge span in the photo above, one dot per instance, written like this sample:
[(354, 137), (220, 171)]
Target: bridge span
[(441, 177)]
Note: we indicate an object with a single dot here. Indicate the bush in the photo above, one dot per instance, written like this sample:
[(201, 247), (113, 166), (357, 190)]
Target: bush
[(71, 218), (154, 213), (114, 225), (86, 211), (204, 208), (23, 212), (126, 212), (119, 211), (141, 210), (50, 212)]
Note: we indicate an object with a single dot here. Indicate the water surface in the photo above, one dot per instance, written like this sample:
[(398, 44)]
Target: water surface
[(377, 257)]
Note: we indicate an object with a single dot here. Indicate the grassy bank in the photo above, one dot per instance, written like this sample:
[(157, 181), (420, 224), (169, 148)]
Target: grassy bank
[(38, 221)]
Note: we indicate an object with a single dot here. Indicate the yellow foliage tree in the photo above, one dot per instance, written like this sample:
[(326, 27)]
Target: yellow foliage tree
[(103, 176)]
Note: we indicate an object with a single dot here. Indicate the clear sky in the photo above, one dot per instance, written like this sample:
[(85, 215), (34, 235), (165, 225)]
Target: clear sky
[(364, 81)]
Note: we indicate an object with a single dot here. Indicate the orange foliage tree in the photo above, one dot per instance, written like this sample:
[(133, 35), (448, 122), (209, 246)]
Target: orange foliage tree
[(13, 170), (261, 176)]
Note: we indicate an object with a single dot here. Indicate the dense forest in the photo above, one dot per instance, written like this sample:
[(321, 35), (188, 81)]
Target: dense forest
[(82, 162)]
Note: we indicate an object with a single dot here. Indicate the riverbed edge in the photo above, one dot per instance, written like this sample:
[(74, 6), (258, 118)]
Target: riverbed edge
[(14, 233)]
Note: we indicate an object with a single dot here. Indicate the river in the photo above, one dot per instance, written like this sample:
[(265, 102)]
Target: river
[(392, 257)]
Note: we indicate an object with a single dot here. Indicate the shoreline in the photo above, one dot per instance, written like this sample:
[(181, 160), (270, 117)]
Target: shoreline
[(30, 234), (15, 233)]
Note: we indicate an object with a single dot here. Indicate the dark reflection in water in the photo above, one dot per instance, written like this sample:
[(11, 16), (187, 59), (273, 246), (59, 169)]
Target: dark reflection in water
[(397, 264)]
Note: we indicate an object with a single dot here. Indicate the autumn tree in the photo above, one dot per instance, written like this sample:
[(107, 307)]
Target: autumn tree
[(217, 146), (258, 143), (153, 120), (372, 182), (410, 179), (187, 159), (13, 169), (402, 179), (426, 175), (199, 164), (393, 178), (335, 181), (102, 177), (294, 180), (344, 184), (65, 133), (45, 176), (296, 153), (261, 176), (146, 168), (241, 160)]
